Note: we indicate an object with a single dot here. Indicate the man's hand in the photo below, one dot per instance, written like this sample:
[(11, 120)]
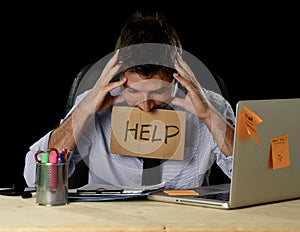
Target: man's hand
[(195, 101), (100, 98)]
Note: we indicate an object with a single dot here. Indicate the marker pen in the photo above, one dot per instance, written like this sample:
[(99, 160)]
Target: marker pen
[(53, 158), (43, 169), (61, 158), (69, 155), (44, 157)]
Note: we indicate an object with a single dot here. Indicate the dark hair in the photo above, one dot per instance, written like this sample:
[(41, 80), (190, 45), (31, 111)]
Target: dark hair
[(148, 44), (147, 29)]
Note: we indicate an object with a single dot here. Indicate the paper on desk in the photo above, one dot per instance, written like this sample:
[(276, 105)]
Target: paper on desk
[(90, 192), (125, 189), (145, 188)]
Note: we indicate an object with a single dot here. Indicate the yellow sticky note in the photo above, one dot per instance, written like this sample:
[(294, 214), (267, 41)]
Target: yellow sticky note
[(246, 125), (280, 152)]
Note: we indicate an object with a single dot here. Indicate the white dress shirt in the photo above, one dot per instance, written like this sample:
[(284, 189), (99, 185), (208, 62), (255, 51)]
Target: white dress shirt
[(200, 152)]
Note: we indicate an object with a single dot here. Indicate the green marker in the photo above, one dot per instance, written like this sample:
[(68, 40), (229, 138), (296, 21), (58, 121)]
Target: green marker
[(44, 157)]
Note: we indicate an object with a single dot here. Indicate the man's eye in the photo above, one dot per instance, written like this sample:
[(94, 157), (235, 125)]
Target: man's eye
[(132, 90), (160, 91)]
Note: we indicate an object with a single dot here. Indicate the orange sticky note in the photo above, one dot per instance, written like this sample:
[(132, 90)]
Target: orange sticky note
[(246, 125), (183, 192), (280, 152)]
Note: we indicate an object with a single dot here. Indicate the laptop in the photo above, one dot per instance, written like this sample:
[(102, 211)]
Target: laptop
[(266, 165)]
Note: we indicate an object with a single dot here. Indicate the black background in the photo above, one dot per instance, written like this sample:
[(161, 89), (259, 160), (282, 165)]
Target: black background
[(252, 46)]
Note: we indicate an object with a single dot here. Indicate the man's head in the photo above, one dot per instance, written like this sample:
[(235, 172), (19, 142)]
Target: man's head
[(149, 83), (148, 91), (147, 29)]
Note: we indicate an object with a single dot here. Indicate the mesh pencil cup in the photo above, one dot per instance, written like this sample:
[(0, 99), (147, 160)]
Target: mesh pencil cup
[(51, 184)]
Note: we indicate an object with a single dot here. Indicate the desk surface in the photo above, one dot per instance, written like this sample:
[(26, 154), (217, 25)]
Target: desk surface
[(19, 214)]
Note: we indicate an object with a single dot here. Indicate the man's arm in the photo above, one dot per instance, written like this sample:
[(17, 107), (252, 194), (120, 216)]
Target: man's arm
[(67, 133), (197, 103), (222, 131), (98, 99)]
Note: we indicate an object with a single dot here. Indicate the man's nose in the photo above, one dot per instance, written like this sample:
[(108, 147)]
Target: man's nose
[(147, 105)]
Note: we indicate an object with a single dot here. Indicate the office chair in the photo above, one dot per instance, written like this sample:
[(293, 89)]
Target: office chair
[(80, 176)]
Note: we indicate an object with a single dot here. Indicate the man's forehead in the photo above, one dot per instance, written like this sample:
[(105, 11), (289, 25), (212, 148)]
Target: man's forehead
[(149, 84), (134, 77)]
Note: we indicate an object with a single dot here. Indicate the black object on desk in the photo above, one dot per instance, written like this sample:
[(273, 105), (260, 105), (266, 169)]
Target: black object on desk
[(11, 192), (15, 190)]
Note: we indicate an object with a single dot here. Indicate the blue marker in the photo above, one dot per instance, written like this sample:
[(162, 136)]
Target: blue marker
[(60, 158)]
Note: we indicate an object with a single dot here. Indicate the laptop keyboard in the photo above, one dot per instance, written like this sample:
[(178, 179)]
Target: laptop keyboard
[(217, 196)]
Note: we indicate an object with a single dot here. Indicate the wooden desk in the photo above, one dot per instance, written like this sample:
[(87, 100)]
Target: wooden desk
[(17, 214)]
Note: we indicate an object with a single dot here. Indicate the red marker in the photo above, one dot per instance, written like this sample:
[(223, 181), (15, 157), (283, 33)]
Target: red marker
[(53, 158)]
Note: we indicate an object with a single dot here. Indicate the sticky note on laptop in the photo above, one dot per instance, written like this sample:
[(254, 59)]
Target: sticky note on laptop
[(183, 192)]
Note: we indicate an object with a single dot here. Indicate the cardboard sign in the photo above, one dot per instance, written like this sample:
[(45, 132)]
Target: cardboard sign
[(157, 134)]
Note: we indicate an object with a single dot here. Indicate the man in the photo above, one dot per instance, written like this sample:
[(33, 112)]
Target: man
[(147, 81)]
